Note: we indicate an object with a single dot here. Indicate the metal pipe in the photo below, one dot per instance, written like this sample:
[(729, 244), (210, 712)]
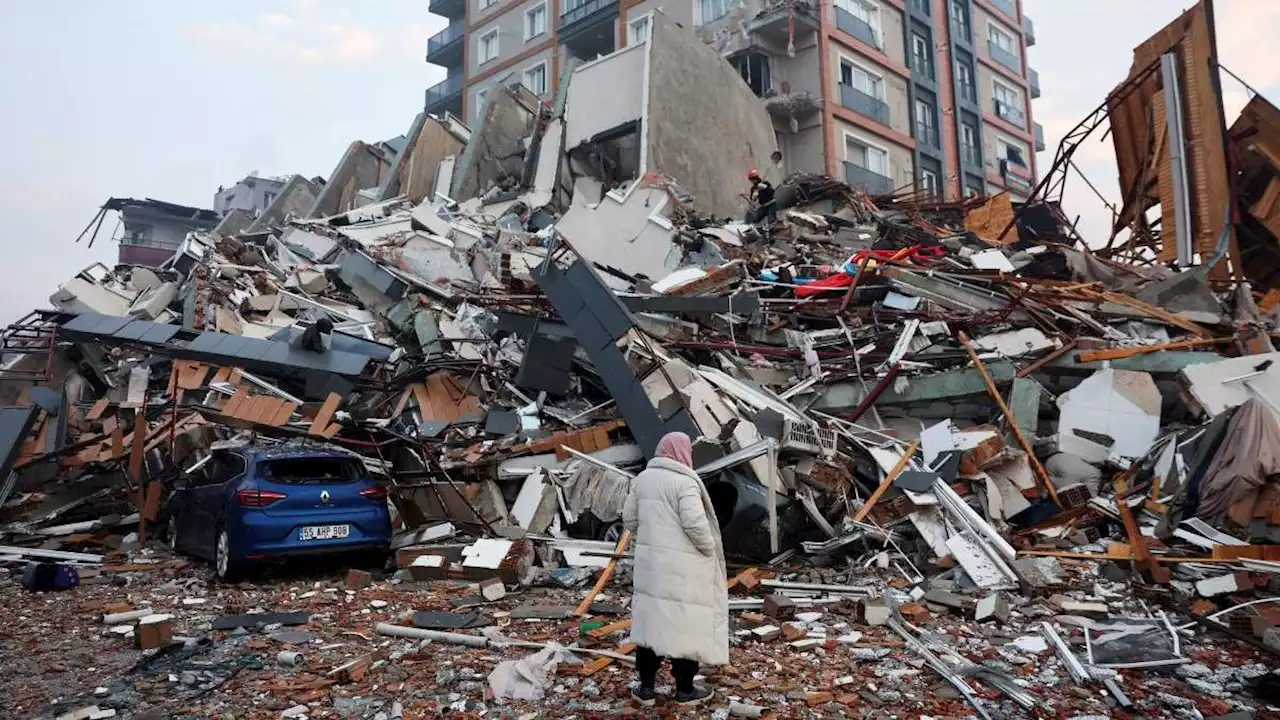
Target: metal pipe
[(400, 631), (1077, 670)]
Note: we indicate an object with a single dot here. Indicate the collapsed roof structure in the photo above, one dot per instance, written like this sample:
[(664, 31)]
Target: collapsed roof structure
[(935, 391)]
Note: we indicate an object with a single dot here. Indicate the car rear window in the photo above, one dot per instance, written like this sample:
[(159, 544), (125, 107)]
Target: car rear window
[(302, 471)]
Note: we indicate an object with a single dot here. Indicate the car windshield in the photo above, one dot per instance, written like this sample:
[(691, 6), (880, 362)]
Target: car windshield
[(300, 471)]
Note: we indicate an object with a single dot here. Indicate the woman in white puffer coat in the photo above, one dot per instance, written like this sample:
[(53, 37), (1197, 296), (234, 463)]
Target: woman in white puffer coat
[(680, 606)]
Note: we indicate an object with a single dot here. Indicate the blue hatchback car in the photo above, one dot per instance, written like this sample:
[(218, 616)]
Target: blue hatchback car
[(253, 503)]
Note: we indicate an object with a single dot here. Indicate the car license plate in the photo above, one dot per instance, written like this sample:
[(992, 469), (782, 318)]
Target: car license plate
[(325, 532)]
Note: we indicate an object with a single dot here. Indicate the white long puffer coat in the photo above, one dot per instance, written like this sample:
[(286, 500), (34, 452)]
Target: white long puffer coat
[(680, 607)]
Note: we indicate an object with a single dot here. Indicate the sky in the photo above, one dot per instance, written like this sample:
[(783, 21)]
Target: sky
[(165, 99)]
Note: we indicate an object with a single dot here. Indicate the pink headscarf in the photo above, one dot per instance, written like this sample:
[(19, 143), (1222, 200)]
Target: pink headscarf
[(676, 446)]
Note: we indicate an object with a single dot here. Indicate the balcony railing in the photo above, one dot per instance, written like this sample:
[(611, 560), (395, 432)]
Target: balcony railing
[(587, 10), (1004, 57), (864, 104), (927, 134), (444, 91), (922, 66), (1010, 114), (971, 154), (1037, 131), (873, 183), (1006, 7), (1029, 30), (1033, 78), (855, 26), (446, 37)]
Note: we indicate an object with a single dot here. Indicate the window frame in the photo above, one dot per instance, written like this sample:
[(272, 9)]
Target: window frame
[(700, 18), (642, 21), (1003, 144), (937, 181), (861, 140), (528, 27), (480, 45), (927, 57), (481, 99), (882, 96), (546, 83), (996, 28)]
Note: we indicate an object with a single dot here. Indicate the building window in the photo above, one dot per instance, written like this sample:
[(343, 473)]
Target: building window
[(926, 125), (486, 4), (535, 22), (964, 78), (929, 182), (1002, 38), (488, 46), (960, 16), (922, 54), (231, 200), (138, 235), (1008, 103), (921, 6), (972, 191), (866, 11), (1011, 151), (639, 30), (866, 156), (712, 10), (267, 199), (862, 80), (754, 69), (969, 144), (482, 97), (535, 78)]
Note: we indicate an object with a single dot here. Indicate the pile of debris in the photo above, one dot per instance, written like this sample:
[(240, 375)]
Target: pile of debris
[(912, 416)]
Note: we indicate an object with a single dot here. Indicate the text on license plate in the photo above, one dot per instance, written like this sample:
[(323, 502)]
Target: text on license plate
[(325, 532)]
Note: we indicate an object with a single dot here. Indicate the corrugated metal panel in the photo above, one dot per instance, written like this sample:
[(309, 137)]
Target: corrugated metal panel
[(15, 425)]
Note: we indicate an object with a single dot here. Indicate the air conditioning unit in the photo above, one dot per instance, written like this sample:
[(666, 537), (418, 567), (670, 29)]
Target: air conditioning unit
[(808, 438)]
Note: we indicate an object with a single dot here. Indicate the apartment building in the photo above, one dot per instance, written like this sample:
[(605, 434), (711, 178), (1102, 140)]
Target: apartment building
[(889, 94)]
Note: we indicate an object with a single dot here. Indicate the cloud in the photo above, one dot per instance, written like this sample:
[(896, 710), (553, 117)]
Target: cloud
[(310, 36)]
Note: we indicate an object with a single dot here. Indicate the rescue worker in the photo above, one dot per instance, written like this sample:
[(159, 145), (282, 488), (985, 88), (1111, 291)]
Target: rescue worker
[(763, 196)]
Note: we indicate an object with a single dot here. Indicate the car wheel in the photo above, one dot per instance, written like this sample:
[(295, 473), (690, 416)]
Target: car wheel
[(224, 565)]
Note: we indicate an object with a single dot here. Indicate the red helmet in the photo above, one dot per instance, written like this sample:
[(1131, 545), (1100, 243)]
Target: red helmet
[(752, 174)]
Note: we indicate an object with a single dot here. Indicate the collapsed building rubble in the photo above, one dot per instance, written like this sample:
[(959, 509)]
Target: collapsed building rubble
[(918, 420)]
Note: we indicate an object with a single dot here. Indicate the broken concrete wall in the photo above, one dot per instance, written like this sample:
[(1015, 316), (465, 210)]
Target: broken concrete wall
[(414, 172), (703, 124), (362, 166), (495, 153), (234, 222), (296, 198), (605, 94), (628, 234)]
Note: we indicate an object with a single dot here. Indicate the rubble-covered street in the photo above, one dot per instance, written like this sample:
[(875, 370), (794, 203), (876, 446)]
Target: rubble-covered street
[(364, 454)]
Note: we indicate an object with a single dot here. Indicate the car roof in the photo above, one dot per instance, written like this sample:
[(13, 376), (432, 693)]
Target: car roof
[(291, 451)]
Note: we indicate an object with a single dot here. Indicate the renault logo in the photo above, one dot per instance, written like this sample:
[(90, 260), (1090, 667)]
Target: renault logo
[(324, 496)]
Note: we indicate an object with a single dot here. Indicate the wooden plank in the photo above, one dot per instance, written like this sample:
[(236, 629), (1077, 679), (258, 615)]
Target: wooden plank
[(887, 482), (117, 442), (151, 504), (1157, 313), (1268, 553), (220, 376), (192, 377), (233, 405), (1041, 475), (611, 628), (330, 407), (1045, 360), (139, 441), (605, 576), (283, 414), (600, 663), (1141, 553), (98, 408), (1126, 352)]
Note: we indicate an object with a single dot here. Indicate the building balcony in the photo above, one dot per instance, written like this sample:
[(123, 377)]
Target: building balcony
[(971, 155), (451, 9), (864, 104), (445, 96), (1010, 114), (928, 135), (786, 105), (1037, 131), (582, 16), (776, 25), (1015, 180), (445, 47), (1033, 78), (860, 30), (872, 183), (1006, 6), (1004, 57), (1029, 30)]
